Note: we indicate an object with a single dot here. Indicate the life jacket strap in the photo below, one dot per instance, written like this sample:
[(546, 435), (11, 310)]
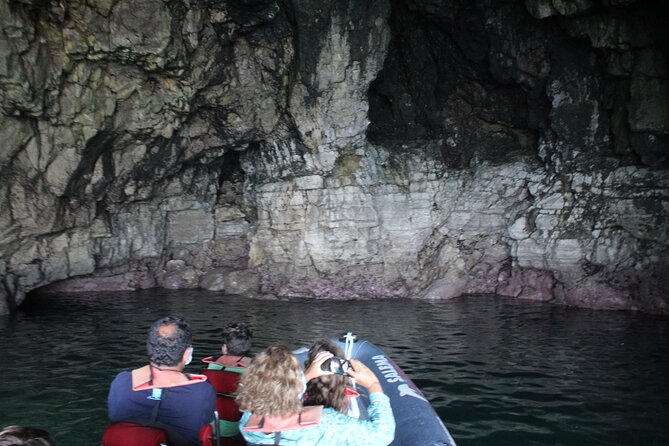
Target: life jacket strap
[(277, 441), (146, 378), (156, 408)]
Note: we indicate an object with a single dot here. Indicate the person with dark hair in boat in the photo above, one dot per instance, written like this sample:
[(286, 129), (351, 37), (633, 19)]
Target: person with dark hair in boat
[(236, 346), (224, 374), (328, 390), (25, 436), (160, 394), (270, 393)]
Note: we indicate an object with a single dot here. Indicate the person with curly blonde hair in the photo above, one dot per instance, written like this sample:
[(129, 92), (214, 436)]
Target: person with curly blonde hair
[(329, 390), (270, 395)]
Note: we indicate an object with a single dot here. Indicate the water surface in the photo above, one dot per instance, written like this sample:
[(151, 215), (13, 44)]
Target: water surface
[(498, 371)]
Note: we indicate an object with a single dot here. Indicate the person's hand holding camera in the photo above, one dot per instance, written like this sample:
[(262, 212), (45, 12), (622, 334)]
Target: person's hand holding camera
[(315, 369), (364, 376)]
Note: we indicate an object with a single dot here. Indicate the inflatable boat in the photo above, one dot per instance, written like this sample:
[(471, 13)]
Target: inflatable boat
[(417, 423)]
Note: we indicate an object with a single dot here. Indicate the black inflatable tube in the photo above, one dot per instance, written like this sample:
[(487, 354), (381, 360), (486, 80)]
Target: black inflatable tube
[(417, 423)]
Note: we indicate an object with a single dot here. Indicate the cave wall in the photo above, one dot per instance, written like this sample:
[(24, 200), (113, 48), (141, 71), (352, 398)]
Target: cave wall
[(337, 149)]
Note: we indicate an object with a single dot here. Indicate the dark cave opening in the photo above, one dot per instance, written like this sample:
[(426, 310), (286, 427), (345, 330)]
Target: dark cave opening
[(488, 83), (438, 84)]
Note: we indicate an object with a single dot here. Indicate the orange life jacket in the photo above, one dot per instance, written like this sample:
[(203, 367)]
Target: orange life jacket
[(228, 361), (309, 417), (149, 377)]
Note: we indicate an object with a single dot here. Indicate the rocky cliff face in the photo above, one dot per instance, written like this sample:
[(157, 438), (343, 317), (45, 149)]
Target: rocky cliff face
[(337, 149)]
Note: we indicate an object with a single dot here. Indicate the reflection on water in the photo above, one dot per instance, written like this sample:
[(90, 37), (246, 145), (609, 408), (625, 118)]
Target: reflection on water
[(498, 371)]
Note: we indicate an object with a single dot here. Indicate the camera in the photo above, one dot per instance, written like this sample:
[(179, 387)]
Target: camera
[(337, 365)]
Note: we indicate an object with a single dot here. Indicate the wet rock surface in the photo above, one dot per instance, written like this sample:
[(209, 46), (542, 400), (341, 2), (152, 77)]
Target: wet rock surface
[(337, 149)]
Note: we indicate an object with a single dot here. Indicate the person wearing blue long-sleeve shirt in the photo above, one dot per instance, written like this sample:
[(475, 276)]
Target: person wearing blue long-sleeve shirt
[(270, 394)]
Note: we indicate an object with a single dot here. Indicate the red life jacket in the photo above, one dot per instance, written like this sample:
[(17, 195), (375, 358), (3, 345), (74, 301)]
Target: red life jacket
[(149, 377), (309, 417)]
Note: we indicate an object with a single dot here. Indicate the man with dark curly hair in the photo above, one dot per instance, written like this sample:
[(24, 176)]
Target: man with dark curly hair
[(160, 394)]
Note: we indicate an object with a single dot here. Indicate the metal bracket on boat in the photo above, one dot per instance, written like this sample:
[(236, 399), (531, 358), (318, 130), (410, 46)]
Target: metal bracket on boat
[(217, 428)]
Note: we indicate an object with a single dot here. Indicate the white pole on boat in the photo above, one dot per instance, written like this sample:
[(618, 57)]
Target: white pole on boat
[(349, 339)]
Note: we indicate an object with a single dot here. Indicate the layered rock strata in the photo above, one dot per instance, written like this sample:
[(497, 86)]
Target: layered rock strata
[(337, 149)]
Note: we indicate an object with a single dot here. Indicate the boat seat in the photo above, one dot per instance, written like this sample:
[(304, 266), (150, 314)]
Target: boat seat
[(225, 383), (126, 433), (130, 434)]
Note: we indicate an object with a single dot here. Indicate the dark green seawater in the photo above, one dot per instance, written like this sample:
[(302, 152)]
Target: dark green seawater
[(498, 371)]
